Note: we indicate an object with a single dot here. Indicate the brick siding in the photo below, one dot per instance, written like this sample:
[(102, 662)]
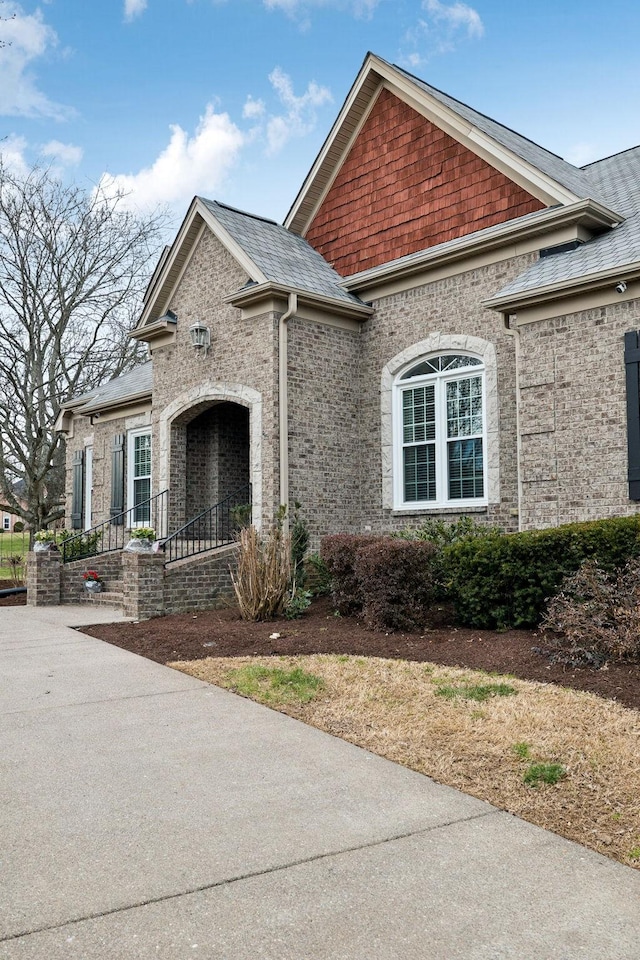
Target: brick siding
[(573, 416)]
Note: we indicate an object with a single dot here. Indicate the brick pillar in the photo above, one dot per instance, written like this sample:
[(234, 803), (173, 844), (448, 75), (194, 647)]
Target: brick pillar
[(143, 585), (44, 572)]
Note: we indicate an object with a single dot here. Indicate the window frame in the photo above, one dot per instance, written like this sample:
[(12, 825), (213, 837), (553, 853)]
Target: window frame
[(131, 479), (439, 380)]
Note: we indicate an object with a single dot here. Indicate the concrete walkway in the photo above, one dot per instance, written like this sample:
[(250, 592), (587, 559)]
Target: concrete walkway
[(144, 814)]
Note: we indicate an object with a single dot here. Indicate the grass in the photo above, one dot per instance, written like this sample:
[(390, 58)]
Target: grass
[(583, 749), (539, 773), (274, 686), (12, 545), (477, 691)]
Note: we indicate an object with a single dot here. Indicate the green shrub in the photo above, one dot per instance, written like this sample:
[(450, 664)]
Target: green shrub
[(18, 526), (596, 616), (505, 580), (317, 576), (442, 533)]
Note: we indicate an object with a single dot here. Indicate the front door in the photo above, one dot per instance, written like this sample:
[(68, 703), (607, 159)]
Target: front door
[(88, 486)]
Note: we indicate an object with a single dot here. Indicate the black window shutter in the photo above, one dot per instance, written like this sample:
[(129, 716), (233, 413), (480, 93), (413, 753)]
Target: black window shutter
[(117, 477), (77, 496), (632, 364)]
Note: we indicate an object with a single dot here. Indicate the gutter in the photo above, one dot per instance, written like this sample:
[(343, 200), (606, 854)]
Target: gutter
[(515, 333), (283, 404)]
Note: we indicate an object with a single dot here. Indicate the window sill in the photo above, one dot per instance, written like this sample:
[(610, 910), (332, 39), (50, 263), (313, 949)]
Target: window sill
[(422, 511)]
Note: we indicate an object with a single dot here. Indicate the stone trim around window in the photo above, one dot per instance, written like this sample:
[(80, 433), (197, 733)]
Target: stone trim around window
[(434, 344), (212, 391)]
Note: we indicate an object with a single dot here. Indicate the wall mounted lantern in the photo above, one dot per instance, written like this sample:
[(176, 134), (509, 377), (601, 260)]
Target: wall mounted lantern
[(200, 337)]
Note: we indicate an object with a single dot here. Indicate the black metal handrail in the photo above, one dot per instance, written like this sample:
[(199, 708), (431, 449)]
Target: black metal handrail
[(114, 533), (214, 527)]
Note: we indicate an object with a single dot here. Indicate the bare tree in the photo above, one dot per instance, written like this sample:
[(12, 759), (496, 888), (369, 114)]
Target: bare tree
[(73, 267)]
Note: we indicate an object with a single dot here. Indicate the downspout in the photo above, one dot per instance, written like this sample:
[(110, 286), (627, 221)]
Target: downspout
[(515, 333), (283, 404)]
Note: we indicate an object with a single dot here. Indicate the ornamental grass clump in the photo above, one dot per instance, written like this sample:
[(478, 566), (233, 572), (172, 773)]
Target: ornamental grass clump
[(262, 580)]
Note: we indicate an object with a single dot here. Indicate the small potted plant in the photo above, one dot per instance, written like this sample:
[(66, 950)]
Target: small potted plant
[(44, 540), (92, 581), (141, 540)]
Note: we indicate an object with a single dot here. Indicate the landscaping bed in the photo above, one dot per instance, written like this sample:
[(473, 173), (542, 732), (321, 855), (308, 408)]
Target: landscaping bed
[(222, 633)]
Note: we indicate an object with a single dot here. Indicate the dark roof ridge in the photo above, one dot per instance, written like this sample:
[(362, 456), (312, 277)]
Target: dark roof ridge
[(243, 213), (610, 156), (486, 116)]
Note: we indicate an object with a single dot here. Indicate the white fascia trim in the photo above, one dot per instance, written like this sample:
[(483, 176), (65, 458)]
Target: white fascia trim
[(232, 246), (475, 139), (510, 232), (354, 93), (257, 292), (510, 303), (197, 209)]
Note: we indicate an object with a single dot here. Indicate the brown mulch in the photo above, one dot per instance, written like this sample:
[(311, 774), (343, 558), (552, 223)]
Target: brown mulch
[(15, 600), (222, 633)]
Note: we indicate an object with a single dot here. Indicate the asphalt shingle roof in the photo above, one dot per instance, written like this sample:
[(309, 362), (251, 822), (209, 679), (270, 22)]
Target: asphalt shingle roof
[(282, 256), (617, 179), (136, 381)]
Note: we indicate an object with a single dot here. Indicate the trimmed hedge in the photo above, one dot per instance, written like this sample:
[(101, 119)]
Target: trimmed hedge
[(505, 580), (388, 580)]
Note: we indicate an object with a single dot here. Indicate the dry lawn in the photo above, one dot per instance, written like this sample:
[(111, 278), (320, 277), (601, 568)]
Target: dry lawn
[(392, 708)]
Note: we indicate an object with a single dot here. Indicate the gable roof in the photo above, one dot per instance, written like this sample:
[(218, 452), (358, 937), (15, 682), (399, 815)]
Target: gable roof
[(281, 256), (267, 252), (545, 175), (617, 178)]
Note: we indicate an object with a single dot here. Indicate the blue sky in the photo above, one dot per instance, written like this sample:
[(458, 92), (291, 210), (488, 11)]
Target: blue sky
[(232, 99)]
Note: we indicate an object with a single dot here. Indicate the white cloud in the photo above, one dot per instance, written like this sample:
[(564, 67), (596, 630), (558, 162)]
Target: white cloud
[(27, 37), (458, 16), (293, 8), (253, 109), (444, 27), (12, 155), (300, 116), (134, 8), (68, 154), (187, 165)]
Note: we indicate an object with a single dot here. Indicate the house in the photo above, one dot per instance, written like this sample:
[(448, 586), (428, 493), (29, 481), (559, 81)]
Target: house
[(445, 324)]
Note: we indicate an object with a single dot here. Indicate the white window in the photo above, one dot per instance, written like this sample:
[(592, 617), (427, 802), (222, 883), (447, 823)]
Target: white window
[(439, 433), (139, 476), (6, 523)]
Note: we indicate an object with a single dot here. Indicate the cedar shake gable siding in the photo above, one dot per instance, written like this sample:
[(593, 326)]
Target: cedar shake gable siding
[(406, 186)]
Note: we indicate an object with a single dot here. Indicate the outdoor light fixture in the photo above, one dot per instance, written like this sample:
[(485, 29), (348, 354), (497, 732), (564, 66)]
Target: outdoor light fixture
[(200, 337)]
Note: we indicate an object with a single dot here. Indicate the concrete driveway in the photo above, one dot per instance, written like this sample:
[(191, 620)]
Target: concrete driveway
[(144, 814)]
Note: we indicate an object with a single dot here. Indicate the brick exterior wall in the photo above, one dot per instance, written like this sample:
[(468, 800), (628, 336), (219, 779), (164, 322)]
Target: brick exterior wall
[(108, 565), (43, 578), (200, 583), (243, 352), (324, 425), (573, 416), (452, 306), (405, 186), (102, 432)]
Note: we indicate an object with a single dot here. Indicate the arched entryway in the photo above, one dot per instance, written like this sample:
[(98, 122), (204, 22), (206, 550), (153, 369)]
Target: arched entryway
[(210, 442)]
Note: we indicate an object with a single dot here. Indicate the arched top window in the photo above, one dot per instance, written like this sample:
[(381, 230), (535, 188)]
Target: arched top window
[(440, 364), (440, 432)]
